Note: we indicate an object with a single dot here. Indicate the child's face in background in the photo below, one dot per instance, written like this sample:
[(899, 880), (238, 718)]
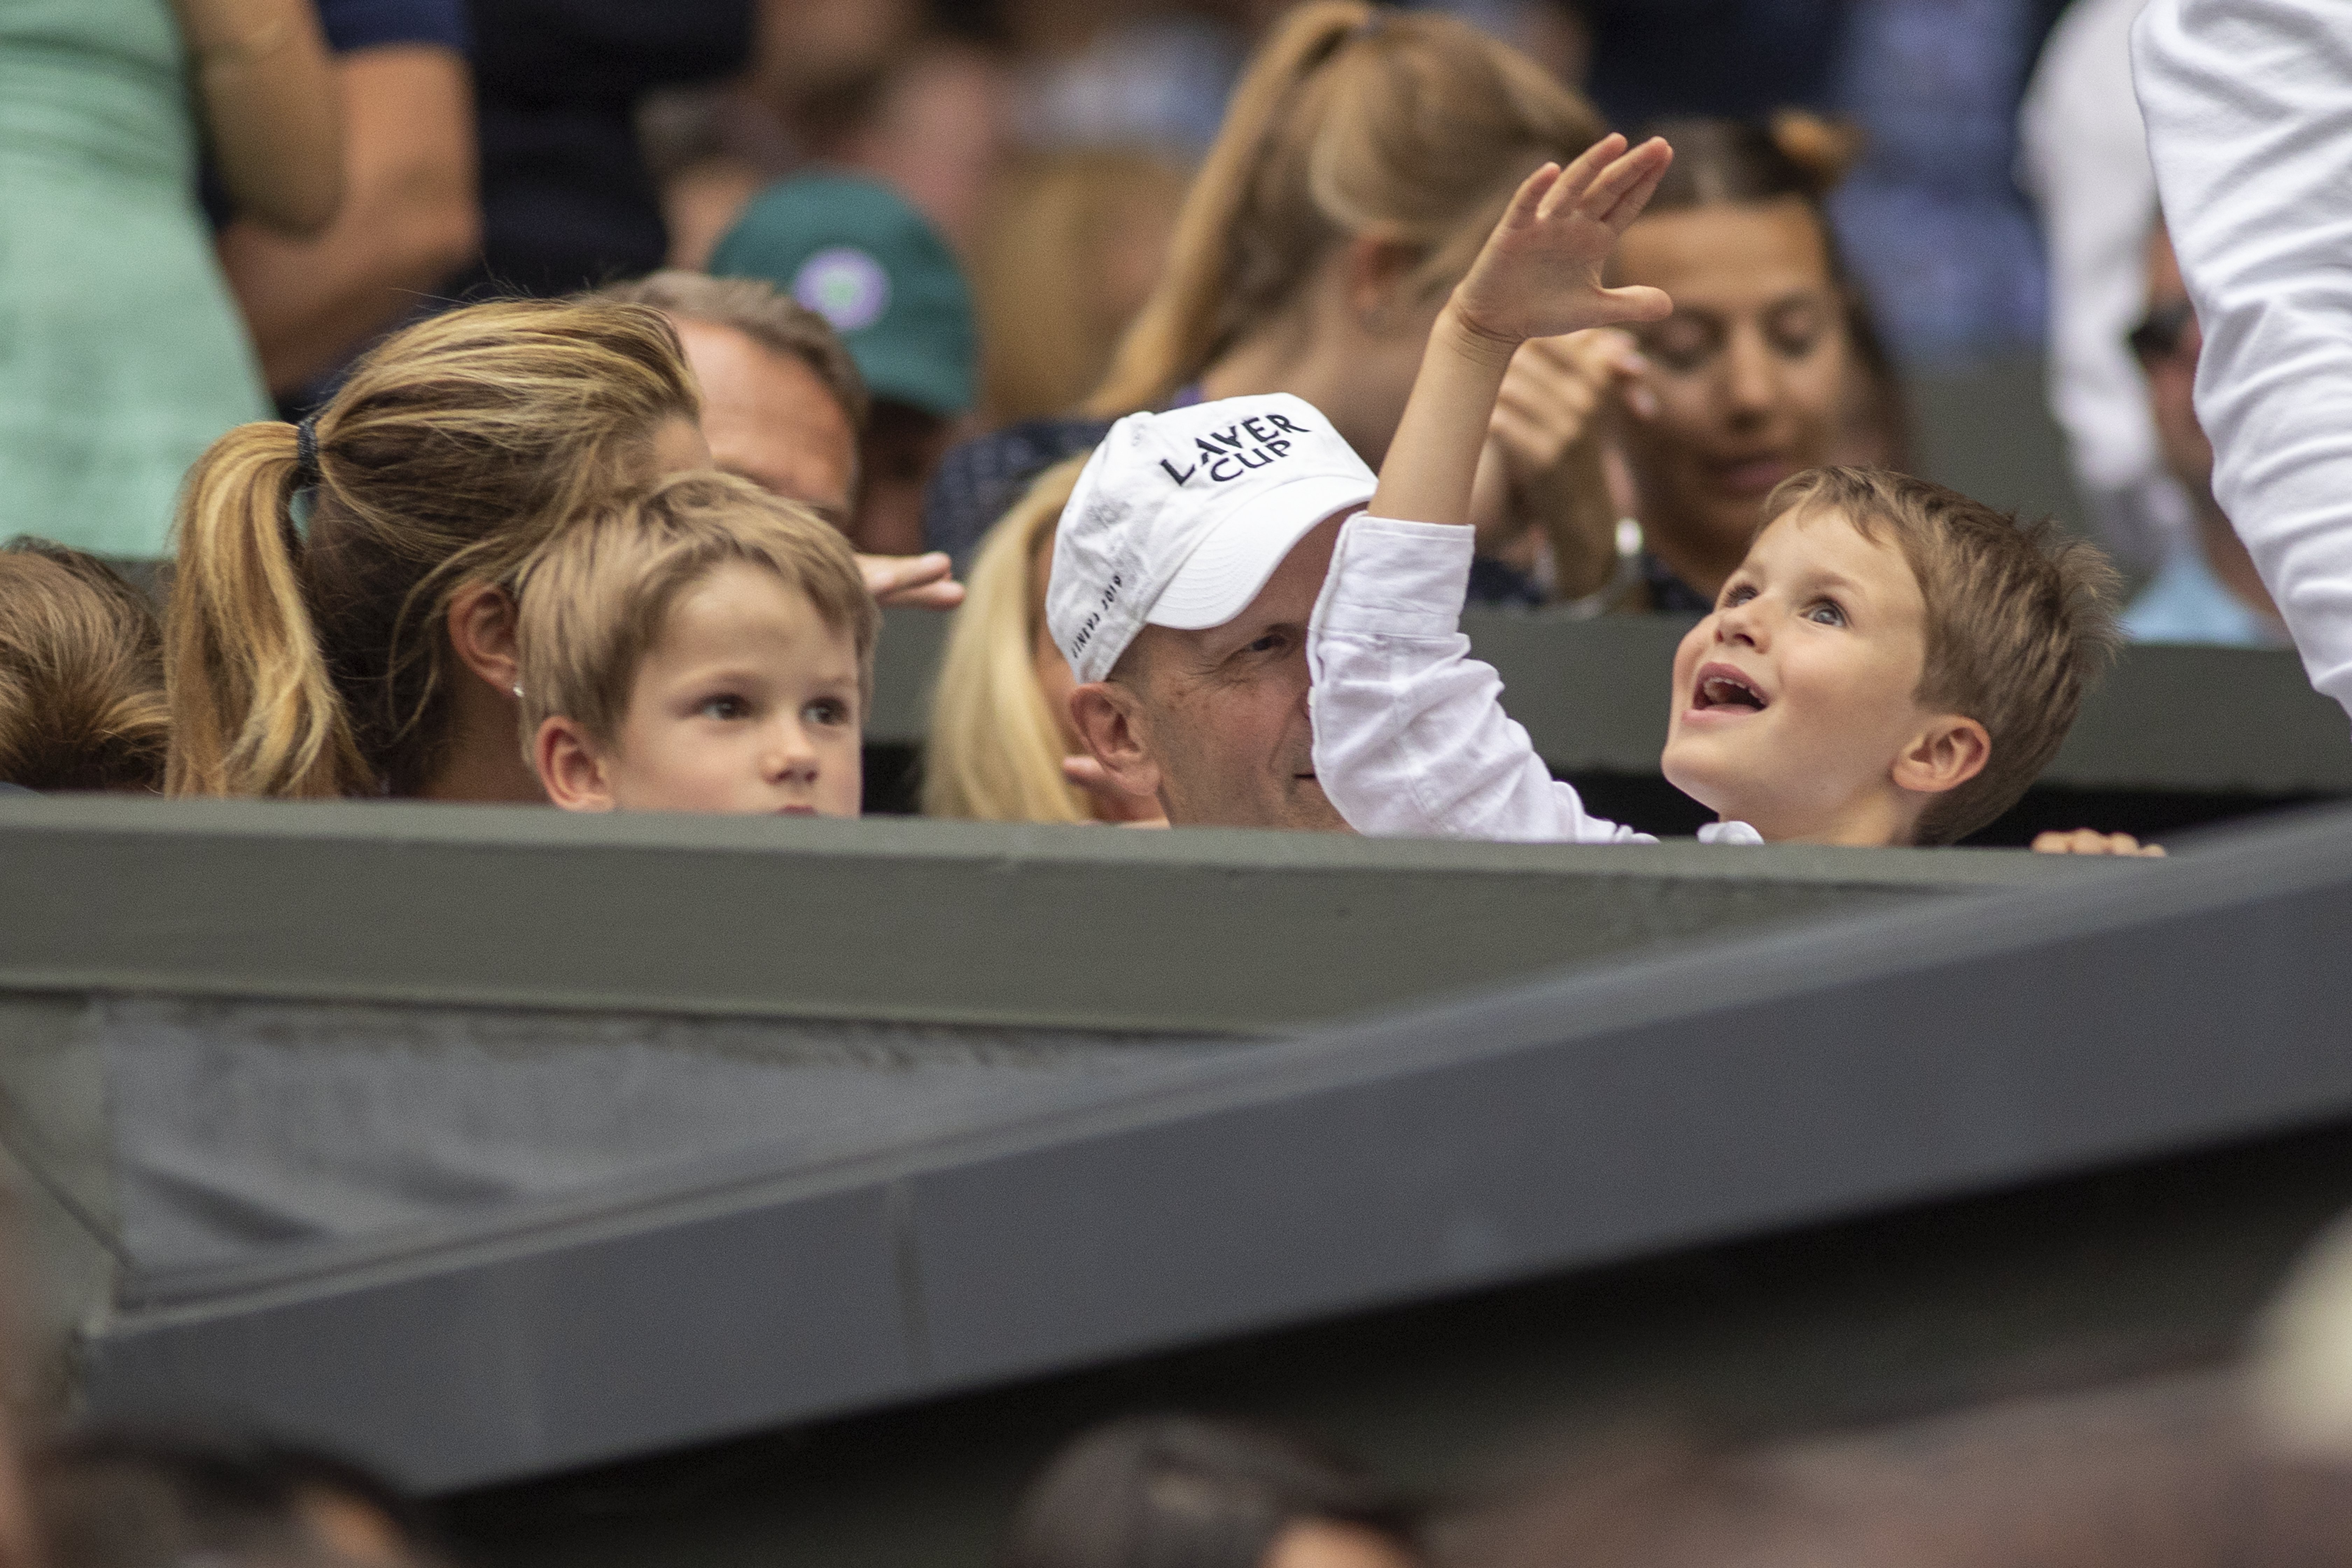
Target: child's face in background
[(748, 703), (1793, 701)]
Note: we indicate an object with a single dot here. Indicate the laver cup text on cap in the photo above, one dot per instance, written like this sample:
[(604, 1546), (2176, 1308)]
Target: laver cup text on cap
[(1230, 453), (1181, 516)]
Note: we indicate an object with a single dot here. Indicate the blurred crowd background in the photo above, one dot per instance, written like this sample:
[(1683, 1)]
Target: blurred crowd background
[(546, 146)]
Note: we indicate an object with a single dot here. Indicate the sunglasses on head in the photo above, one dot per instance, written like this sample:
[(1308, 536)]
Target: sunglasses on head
[(2159, 332)]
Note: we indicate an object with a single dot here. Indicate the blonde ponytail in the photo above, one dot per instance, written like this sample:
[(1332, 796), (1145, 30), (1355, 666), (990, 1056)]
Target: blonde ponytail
[(1176, 328), (321, 665), (255, 711), (994, 749), (1407, 127)]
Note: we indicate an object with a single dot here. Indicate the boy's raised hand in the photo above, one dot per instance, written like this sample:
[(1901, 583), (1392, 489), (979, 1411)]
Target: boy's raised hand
[(1538, 275)]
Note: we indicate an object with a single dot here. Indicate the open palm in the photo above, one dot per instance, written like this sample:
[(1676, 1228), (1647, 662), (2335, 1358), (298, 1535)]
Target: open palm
[(1539, 273)]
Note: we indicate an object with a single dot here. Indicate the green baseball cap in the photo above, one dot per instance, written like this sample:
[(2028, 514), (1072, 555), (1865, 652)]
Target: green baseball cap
[(857, 253)]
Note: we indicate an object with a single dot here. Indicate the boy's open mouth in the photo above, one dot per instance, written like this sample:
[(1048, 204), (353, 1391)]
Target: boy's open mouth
[(1721, 688)]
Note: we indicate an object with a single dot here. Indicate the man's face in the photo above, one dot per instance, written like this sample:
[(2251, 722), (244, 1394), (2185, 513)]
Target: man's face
[(769, 418), (1793, 700), (1223, 713)]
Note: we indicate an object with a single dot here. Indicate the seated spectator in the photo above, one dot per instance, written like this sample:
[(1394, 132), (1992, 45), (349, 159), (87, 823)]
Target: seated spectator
[(707, 647), (935, 124), (1073, 244), (370, 651), (1185, 571), (409, 217), (81, 675), (855, 252), (2207, 590), (1365, 150), (1158, 1491), (120, 353), (1745, 383), (1001, 732), (1890, 663), (2083, 159), (123, 1498), (782, 405)]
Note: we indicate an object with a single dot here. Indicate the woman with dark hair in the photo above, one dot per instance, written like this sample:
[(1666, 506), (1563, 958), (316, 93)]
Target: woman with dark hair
[(1178, 1491), (1767, 365)]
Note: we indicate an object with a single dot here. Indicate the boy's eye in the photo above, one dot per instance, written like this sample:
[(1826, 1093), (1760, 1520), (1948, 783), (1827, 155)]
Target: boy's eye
[(723, 707), (1828, 613), (827, 711), (1737, 593)]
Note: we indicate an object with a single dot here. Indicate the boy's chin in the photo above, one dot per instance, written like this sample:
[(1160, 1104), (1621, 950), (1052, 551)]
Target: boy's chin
[(1686, 767)]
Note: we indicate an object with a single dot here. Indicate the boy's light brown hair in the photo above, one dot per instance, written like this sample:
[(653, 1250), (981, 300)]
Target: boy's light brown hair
[(2020, 622), (595, 597)]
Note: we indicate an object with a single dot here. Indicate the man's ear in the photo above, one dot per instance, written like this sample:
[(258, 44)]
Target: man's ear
[(1378, 273), (1944, 755), (1105, 716), (569, 768), (482, 634)]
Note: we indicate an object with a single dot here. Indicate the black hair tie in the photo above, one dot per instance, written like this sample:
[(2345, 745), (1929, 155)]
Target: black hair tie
[(306, 453)]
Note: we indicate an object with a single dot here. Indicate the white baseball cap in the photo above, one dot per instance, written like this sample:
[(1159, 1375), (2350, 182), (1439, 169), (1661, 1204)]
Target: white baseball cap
[(1180, 518)]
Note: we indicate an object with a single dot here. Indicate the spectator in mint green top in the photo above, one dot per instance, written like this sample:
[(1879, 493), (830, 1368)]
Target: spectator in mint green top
[(120, 355)]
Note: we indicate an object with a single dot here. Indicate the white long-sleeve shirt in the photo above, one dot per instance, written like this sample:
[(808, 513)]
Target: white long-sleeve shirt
[(1411, 739), (2249, 111)]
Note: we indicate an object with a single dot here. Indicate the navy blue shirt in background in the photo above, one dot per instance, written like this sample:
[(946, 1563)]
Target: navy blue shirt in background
[(567, 201)]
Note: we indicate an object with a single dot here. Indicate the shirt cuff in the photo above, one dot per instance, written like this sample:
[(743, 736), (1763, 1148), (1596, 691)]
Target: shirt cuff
[(1391, 578)]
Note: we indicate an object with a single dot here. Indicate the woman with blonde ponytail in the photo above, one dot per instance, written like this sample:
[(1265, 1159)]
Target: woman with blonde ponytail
[(369, 648), (1366, 155)]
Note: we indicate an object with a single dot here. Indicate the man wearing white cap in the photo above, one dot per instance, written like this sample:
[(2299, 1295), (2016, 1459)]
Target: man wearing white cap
[(1185, 571)]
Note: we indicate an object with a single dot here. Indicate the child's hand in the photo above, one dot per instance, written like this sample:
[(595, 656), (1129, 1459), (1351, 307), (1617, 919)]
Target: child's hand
[(1539, 274), (2091, 841)]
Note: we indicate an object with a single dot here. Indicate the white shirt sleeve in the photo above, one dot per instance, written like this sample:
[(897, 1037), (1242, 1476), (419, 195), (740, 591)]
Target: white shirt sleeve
[(1411, 739), (2249, 111)]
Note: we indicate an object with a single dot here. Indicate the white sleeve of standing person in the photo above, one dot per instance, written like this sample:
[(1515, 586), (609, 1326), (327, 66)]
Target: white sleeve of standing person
[(1411, 739), (2249, 111)]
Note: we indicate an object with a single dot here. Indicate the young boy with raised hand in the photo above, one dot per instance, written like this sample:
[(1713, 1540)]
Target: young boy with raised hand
[(706, 647), (1892, 664)]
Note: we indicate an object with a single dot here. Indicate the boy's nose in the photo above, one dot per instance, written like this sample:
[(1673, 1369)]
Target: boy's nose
[(789, 756), (1740, 624)]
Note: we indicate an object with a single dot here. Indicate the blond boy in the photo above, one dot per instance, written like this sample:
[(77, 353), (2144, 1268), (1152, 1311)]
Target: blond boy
[(707, 647), (1893, 663)]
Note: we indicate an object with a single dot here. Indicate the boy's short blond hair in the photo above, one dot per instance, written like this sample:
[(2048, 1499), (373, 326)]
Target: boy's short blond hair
[(595, 597), (2020, 622)]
